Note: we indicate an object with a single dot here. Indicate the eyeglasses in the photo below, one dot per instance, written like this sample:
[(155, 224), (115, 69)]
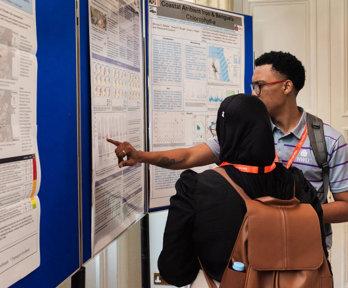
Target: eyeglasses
[(256, 87), (212, 129)]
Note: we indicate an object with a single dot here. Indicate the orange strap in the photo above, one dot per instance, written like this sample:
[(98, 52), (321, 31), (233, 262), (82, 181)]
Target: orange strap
[(250, 169), (296, 150)]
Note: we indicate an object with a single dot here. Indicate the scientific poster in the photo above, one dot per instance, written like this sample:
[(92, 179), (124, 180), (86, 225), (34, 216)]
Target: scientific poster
[(196, 59), (19, 161), (116, 59)]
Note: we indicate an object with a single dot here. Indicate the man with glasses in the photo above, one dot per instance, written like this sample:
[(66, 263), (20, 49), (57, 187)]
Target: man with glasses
[(277, 79)]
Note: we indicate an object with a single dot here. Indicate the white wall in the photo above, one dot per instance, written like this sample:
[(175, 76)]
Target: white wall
[(118, 265), (316, 31)]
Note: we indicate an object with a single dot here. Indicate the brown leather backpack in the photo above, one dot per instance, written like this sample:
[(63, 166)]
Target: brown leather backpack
[(279, 243)]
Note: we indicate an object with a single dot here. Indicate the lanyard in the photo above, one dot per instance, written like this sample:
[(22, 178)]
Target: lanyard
[(297, 148), (250, 169), (267, 169)]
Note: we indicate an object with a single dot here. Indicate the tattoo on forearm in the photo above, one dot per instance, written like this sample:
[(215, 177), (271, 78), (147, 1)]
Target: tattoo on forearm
[(165, 162)]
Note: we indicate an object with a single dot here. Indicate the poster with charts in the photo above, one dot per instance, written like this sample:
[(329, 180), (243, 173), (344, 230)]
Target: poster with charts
[(19, 160), (117, 99), (196, 59)]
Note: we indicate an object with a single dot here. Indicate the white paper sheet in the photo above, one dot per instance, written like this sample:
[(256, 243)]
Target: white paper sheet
[(117, 113), (20, 174), (196, 59)]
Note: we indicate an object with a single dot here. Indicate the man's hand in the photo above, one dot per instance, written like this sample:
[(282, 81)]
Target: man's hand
[(124, 149)]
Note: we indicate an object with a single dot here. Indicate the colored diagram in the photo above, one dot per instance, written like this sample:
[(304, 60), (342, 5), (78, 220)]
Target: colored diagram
[(218, 69), (216, 95), (224, 65), (215, 99), (211, 126), (198, 128)]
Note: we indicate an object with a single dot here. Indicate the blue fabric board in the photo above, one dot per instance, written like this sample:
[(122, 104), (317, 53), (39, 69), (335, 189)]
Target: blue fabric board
[(86, 132), (249, 53), (57, 143)]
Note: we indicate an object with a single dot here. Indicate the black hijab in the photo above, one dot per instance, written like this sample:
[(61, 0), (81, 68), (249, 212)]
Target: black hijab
[(245, 137), (244, 131)]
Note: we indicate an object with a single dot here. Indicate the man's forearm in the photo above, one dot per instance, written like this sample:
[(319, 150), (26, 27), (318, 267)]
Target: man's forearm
[(182, 158), (335, 212), (171, 159)]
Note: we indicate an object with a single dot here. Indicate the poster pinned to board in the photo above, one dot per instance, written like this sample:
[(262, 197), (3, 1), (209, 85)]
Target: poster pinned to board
[(117, 99), (196, 59), (20, 174)]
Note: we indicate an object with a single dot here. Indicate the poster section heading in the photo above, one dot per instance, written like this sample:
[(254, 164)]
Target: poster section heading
[(199, 15)]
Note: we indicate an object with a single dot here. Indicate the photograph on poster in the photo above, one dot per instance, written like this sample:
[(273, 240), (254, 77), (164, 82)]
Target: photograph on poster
[(6, 111), (98, 18)]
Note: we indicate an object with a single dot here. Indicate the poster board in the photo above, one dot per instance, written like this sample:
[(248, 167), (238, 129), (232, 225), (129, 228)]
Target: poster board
[(159, 201), (57, 144), (86, 136), (197, 56)]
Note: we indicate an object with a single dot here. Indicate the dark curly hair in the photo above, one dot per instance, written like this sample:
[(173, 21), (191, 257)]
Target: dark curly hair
[(286, 64)]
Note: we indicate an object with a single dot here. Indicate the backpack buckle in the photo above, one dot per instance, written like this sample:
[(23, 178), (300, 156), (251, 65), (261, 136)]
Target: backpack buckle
[(325, 166)]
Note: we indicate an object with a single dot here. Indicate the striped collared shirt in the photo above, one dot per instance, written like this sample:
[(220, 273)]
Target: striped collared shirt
[(305, 160)]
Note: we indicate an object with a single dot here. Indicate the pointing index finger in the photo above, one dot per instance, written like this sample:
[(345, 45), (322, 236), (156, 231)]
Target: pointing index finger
[(115, 142)]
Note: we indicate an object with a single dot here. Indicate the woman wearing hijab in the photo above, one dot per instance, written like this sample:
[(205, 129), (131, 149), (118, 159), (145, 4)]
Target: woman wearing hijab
[(206, 213)]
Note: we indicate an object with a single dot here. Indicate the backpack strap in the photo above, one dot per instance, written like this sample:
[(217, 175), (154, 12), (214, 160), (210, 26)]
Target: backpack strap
[(318, 144), (239, 189), (244, 196), (210, 281)]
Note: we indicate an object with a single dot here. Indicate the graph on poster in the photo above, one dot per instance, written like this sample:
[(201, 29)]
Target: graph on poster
[(168, 128)]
